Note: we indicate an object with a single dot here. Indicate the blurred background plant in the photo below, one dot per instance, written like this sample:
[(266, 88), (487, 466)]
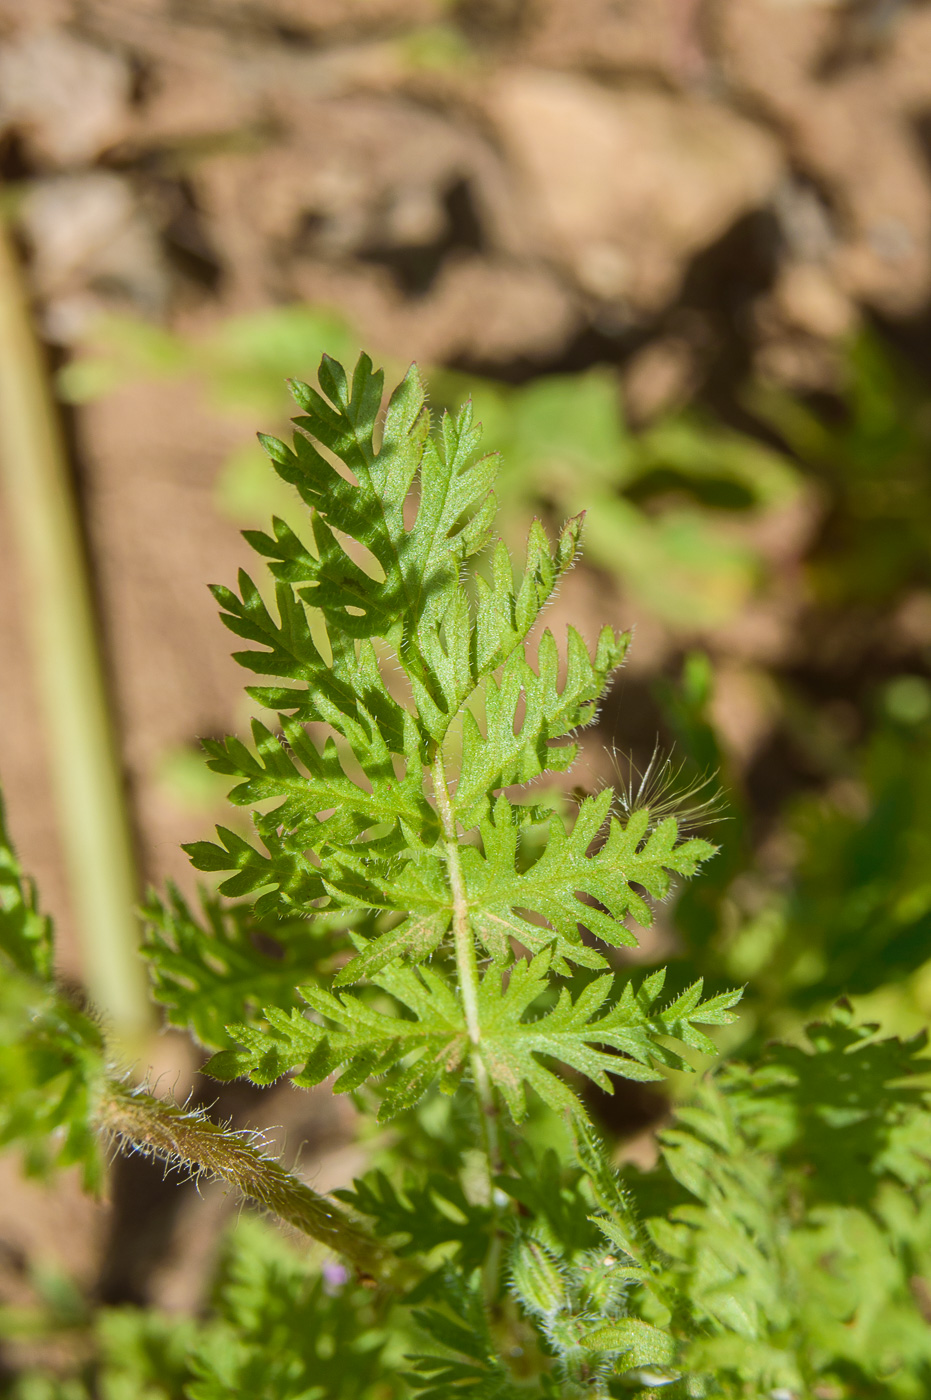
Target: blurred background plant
[(657, 501), (688, 292)]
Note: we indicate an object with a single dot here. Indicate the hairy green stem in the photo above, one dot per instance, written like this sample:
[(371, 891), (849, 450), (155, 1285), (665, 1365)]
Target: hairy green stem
[(466, 960), (64, 633), (186, 1138)]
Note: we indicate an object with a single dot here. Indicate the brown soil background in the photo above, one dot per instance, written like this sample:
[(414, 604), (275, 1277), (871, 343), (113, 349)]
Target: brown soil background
[(686, 191)]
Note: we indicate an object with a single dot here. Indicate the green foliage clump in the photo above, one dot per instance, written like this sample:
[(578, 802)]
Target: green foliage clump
[(277, 1330), (660, 501), (870, 460), (51, 1052), (788, 1224), (421, 917), (849, 913), (212, 966), (410, 804)]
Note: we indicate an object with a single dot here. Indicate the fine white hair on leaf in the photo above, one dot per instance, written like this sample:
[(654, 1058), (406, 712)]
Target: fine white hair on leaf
[(664, 788)]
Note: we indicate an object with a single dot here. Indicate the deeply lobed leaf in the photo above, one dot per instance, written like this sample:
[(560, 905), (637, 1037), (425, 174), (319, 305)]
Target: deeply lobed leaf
[(427, 1040), (411, 701), (51, 1052)]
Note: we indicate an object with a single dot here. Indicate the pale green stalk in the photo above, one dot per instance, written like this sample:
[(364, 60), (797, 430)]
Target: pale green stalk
[(88, 782), (467, 970)]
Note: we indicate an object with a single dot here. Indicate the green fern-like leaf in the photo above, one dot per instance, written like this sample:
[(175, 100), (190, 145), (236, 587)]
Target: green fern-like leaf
[(221, 965), (51, 1053), (361, 1040), (25, 933), (781, 1235), (429, 1040), (467, 1359), (412, 702), (566, 871), (633, 1029), (421, 1216)]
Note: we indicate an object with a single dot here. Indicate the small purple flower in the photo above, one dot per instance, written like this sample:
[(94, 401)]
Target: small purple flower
[(335, 1277)]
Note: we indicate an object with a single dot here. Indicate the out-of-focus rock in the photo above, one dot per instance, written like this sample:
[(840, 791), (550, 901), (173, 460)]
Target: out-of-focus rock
[(256, 22), (190, 97), (806, 224), (627, 187), (245, 90), (809, 299), (796, 360), (479, 310), (851, 128), (362, 177), (349, 18), (662, 37), (19, 18), (69, 99), (907, 60), (492, 311), (659, 377), (798, 324), (912, 623), (774, 49), (890, 268), (743, 706), (91, 245)]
